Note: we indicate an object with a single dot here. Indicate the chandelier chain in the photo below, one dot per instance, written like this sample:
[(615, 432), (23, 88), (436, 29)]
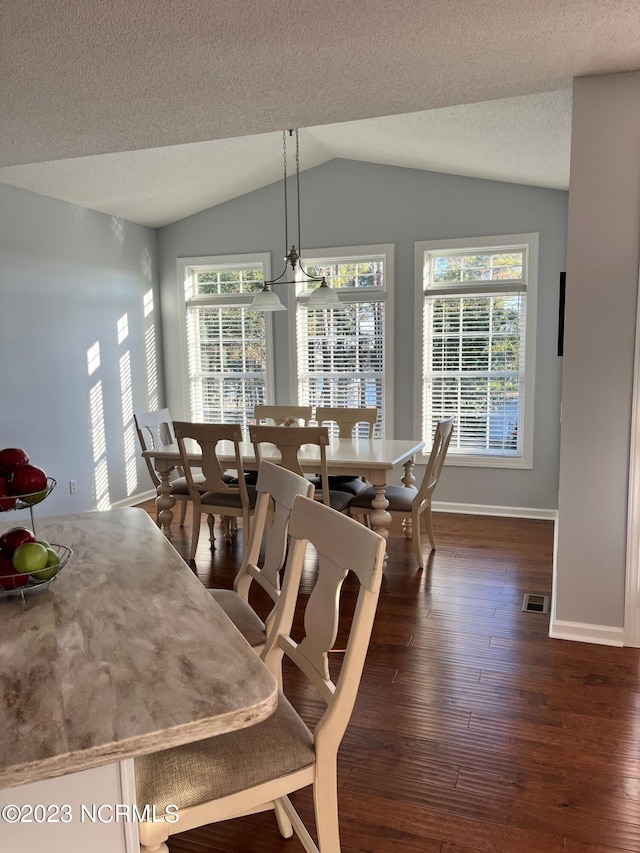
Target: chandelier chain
[(298, 194), (323, 295), (286, 217)]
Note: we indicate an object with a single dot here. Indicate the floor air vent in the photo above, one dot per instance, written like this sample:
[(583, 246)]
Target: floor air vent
[(533, 603)]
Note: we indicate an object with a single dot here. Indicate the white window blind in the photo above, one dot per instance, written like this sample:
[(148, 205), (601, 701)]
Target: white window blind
[(342, 354), (227, 347), (474, 349)]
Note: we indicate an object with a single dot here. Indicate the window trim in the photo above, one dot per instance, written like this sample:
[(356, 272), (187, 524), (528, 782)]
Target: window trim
[(184, 267), (529, 241), (343, 254)]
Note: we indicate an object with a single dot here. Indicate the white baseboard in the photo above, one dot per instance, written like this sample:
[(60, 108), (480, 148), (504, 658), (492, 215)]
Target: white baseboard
[(132, 500), (502, 511), (580, 632), (603, 635), (437, 506)]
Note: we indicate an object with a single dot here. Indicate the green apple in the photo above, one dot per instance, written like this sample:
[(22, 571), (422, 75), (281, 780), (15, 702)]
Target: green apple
[(44, 542), (51, 569), (30, 557), (33, 498)]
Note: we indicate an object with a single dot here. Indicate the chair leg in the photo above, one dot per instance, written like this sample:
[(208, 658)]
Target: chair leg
[(415, 538), (428, 522), (183, 513), (284, 824), (301, 830), (161, 848), (153, 835), (407, 524), (195, 532), (325, 796), (211, 521), (228, 528)]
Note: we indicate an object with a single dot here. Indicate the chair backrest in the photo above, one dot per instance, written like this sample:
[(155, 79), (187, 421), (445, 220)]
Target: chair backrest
[(288, 441), (347, 418), (441, 439), (343, 546), (279, 414), (276, 488), (208, 437), (154, 429)]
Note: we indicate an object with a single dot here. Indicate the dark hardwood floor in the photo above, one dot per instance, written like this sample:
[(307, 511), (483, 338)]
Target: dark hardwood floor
[(473, 731)]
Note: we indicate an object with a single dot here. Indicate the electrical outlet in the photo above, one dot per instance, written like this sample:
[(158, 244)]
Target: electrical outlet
[(72, 487)]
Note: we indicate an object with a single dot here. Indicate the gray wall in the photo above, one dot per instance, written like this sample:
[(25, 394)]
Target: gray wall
[(602, 286), (348, 203), (67, 275)]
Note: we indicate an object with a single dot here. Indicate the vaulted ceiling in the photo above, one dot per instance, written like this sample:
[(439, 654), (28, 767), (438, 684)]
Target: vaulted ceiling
[(154, 110)]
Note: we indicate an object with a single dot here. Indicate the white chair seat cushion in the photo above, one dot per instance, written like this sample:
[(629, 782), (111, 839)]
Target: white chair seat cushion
[(400, 498), (195, 773), (242, 615)]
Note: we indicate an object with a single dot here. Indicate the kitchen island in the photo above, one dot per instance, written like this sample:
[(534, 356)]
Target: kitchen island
[(123, 654)]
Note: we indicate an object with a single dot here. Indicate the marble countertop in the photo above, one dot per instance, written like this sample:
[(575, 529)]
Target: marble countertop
[(123, 654)]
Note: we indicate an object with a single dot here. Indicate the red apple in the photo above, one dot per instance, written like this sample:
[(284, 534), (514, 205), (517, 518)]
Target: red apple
[(26, 479), (11, 457), (6, 503), (9, 578), (10, 540)]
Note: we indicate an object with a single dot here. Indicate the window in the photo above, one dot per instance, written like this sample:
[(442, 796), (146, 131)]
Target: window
[(478, 334), (344, 354), (228, 349)]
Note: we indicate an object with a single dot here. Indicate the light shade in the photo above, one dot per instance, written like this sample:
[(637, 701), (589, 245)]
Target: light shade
[(266, 300), (323, 297)]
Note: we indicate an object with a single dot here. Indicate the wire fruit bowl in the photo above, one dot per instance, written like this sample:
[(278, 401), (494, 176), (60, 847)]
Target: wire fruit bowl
[(33, 498), (33, 581), (29, 500)]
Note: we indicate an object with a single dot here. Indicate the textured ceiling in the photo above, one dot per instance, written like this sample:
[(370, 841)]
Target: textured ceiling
[(182, 97)]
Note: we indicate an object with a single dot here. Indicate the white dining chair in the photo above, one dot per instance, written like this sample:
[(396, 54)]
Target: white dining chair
[(289, 441), (155, 429), (348, 419), (408, 502), (257, 767), (279, 415), (276, 489), (215, 494)]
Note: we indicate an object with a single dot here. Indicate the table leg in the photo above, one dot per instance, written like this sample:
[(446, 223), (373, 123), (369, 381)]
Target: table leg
[(380, 519), (165, 503), (409, 481)]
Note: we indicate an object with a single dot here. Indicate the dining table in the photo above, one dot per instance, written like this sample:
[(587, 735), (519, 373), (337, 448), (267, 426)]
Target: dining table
[(123, 653), (374, 459)]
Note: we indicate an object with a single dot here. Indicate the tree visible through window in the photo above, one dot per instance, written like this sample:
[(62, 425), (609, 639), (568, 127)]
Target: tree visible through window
[(342, 353), (227, 346), (474, 355)]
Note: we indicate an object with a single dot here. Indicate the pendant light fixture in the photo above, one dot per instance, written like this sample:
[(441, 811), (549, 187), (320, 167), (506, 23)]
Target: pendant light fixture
[(322, 296)]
